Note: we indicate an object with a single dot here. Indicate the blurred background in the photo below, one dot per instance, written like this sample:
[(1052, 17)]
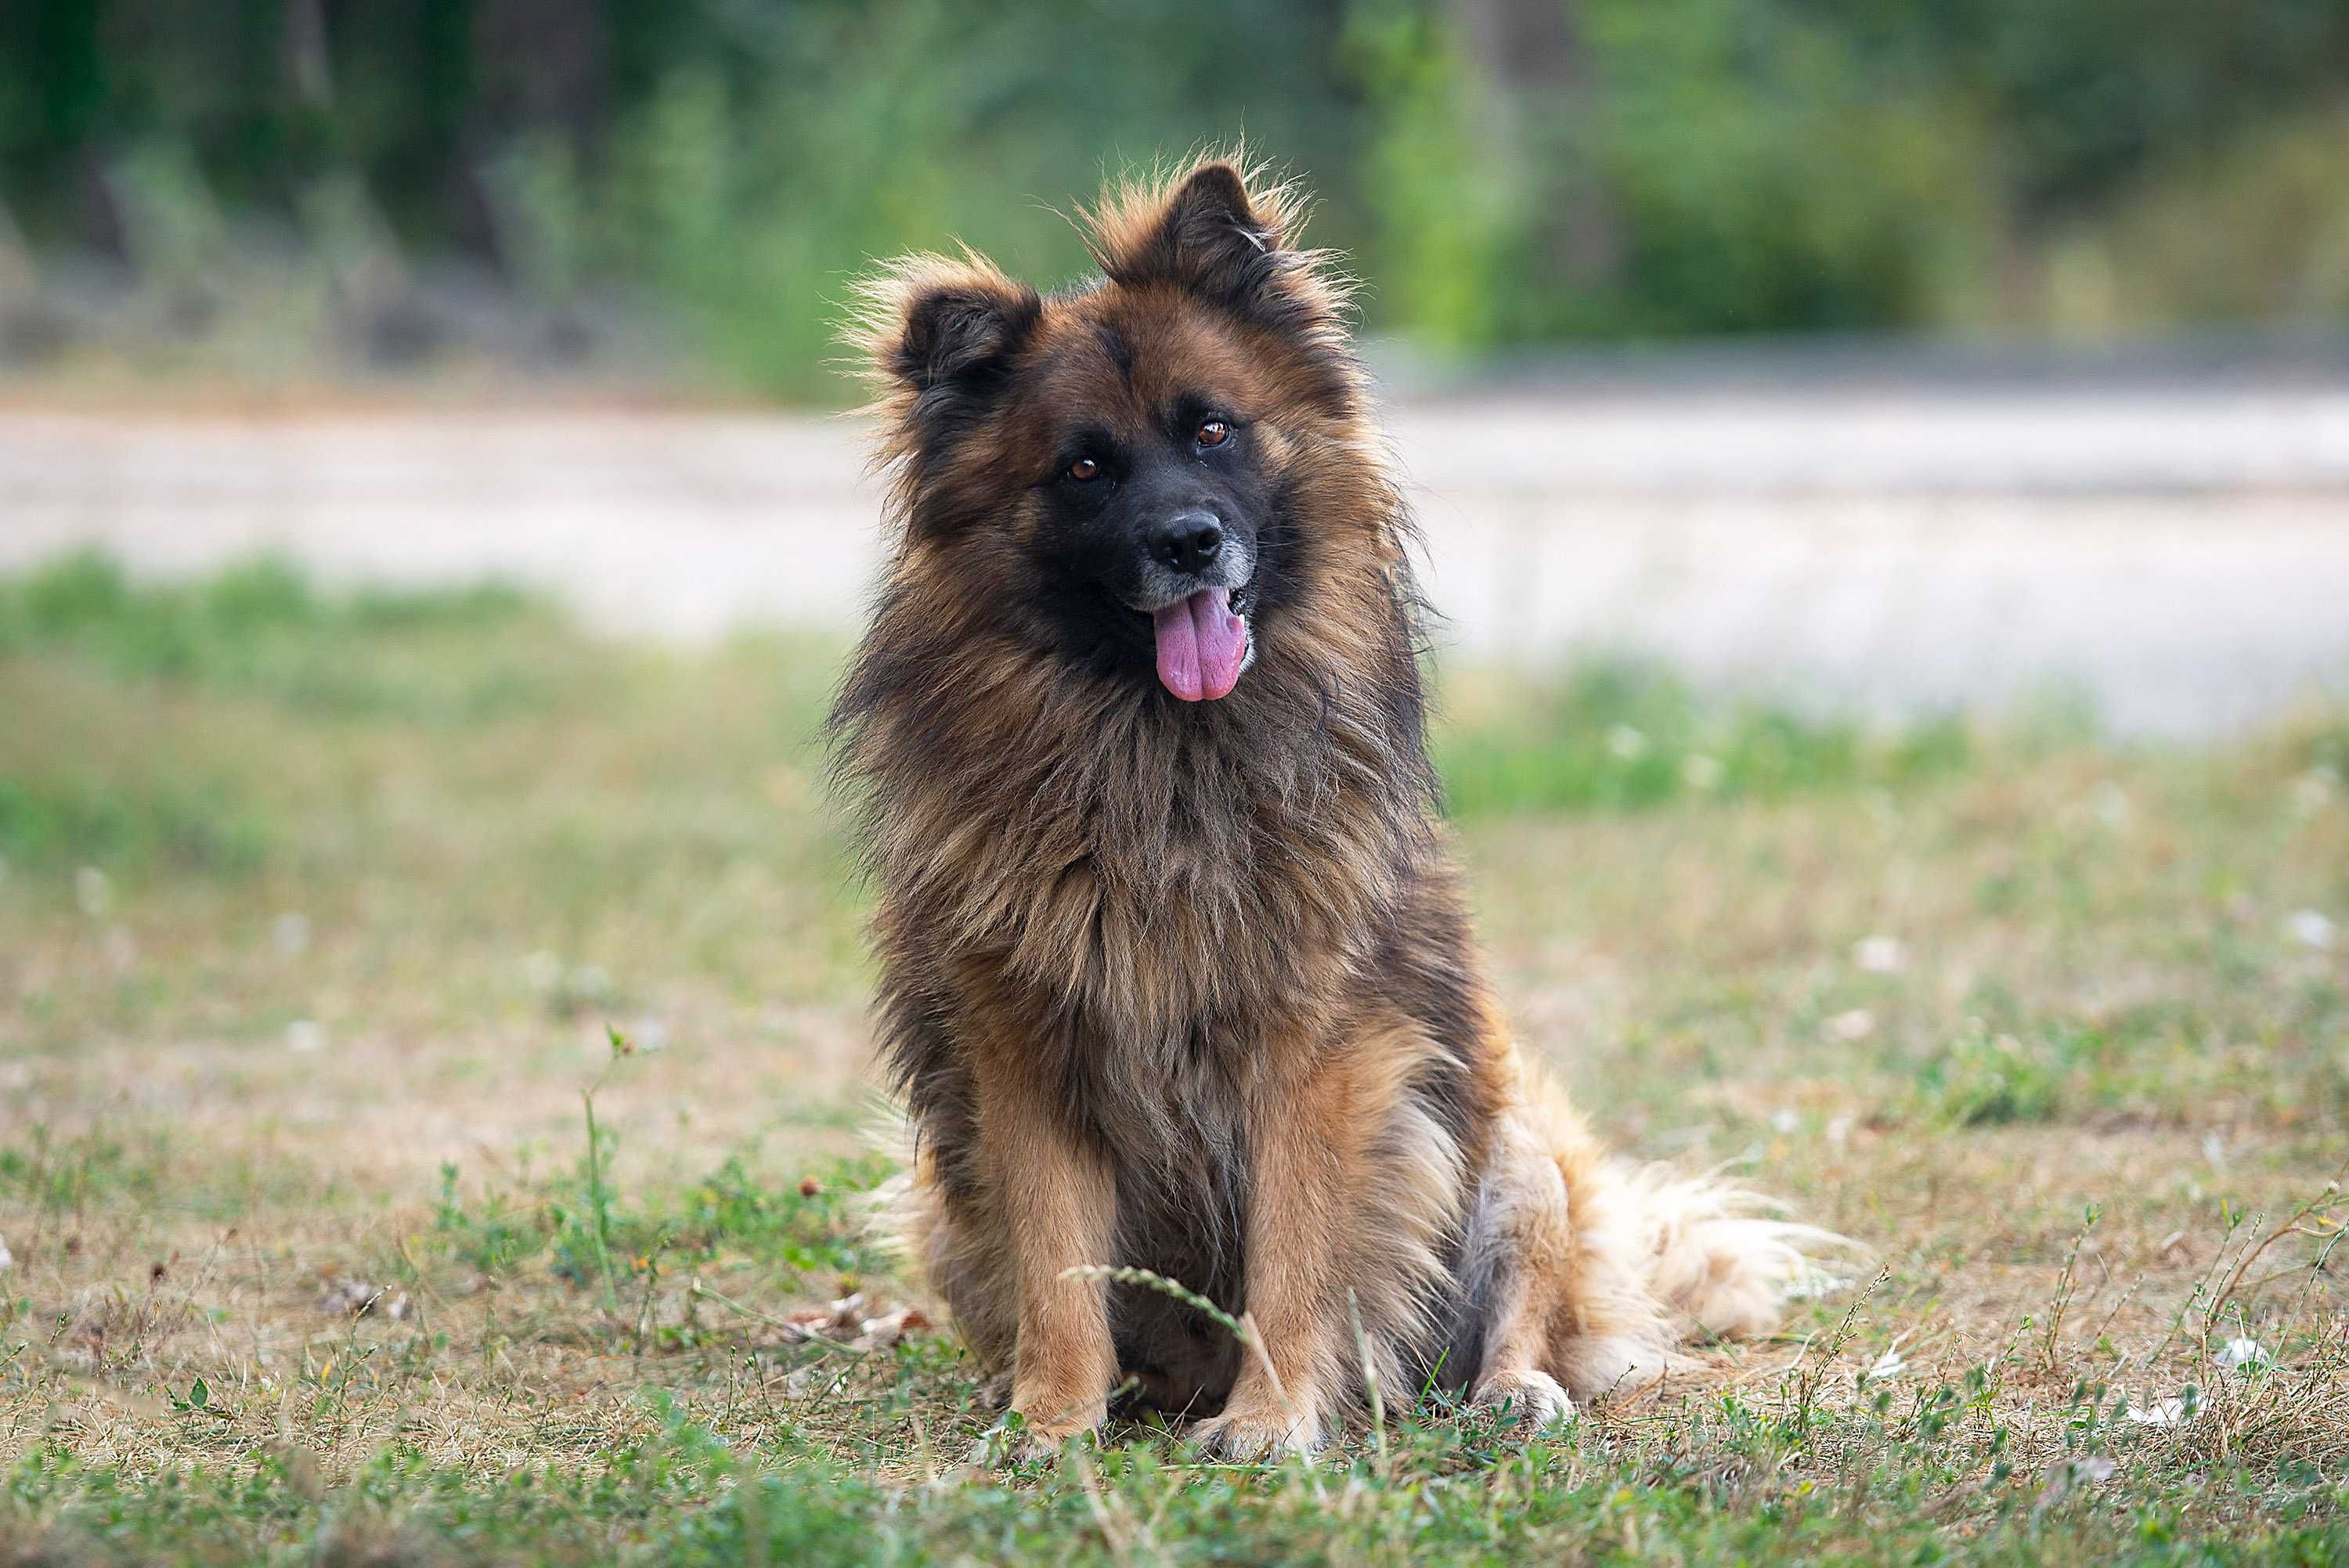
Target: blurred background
[(673, 189), (1904, 354)]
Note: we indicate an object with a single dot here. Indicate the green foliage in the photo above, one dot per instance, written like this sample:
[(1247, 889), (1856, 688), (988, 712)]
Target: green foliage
[(2254, 230), (1441, 212), (1769, 176), (1694, 166)]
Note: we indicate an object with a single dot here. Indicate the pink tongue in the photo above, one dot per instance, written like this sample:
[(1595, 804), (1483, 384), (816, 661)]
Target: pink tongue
[(1200, 646)]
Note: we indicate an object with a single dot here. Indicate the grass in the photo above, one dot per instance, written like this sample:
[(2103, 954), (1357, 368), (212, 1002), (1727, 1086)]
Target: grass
[(1615, 736), (343, 1228)]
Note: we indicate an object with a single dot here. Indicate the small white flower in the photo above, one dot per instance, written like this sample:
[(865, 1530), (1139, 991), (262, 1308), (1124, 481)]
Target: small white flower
[(7, 1258), (1892, 1364), (2310, 928), (1856, 1025), (1783, 1119), (2174, 1411), (291, 931), (304, 1035), (2095, 1467), (2112, 805), (1626, 743), (2068, 1472), (2243, 1353), (94, 891), (1702, 773), (1880, 956), (1839, 1130)]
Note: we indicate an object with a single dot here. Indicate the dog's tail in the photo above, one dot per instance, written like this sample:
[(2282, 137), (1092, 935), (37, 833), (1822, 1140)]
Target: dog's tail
[(1718, 1258), (1663, 1259)]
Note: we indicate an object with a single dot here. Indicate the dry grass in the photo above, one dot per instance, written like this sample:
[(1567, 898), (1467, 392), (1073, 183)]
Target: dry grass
[(303, 975)]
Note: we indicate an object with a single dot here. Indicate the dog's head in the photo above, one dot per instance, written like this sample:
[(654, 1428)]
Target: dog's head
[(1145, 472)]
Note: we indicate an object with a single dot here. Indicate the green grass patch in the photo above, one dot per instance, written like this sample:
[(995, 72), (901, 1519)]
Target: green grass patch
[(581, 1228), (807, 1231), (1616, 737), (202, 829), (442, 656), (66, 1176), (1732, 1490)]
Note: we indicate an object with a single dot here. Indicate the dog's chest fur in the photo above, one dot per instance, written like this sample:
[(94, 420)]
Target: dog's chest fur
[(1159, 879), (1148, 904)]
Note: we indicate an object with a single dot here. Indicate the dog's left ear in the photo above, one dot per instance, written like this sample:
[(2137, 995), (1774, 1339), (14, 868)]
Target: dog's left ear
[(1209, 234)]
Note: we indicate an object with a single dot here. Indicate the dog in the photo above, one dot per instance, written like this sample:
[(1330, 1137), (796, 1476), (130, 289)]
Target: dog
[(1175, 975)]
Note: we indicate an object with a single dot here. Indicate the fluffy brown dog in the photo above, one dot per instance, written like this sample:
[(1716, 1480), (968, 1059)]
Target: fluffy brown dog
[(1176, 973)]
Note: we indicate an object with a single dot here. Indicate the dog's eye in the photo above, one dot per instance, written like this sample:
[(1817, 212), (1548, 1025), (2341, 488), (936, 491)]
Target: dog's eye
[(1084, 468), (1214, 433)]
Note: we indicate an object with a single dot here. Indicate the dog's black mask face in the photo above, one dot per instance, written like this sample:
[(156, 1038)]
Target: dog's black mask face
[(1123, 464), (1154, 511), (1149, 541)]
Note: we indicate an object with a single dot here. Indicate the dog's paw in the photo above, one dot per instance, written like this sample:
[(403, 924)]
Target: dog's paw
[(1015, 1440), (1533, 1398), (1042, 1421), (1271, 1434)]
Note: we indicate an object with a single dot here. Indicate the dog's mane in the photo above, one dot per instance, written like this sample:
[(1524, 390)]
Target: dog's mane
[(1086, 821)]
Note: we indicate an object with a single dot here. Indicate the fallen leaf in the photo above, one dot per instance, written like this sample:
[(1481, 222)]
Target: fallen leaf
[(880, 1333), (846, 1322)]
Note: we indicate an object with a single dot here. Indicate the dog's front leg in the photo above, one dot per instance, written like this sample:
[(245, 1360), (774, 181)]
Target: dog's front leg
[(1302, 1156), (1059, 1204)]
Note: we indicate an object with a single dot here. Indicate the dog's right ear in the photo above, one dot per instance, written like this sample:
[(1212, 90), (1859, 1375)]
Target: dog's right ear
[(940, 331)]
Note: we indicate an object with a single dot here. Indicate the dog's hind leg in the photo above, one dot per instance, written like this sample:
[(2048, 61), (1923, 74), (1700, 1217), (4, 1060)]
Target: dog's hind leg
[(1605, 1267), (1572, 1319)]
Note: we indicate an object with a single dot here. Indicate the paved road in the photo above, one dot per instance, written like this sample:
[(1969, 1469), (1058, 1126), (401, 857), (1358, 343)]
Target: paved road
[(2181, 558)]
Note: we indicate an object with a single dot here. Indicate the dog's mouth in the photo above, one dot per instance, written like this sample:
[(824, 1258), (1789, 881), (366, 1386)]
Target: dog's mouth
[(1203, 643)]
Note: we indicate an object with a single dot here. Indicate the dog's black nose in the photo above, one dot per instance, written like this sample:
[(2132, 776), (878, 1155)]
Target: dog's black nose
[(1187, 542)]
